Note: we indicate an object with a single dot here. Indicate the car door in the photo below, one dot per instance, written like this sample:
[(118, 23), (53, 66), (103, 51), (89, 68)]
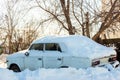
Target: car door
[(52, 56), (34, 58)]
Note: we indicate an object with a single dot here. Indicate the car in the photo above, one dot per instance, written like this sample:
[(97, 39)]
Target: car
[(61, 52)]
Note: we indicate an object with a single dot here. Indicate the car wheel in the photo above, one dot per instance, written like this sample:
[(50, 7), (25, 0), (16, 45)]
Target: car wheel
[(15, 68)]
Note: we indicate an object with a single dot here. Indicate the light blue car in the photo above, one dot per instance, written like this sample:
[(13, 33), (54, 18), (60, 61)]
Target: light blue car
[(61, 52)]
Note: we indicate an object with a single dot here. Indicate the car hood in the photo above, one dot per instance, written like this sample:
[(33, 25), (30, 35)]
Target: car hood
[(17, 54)]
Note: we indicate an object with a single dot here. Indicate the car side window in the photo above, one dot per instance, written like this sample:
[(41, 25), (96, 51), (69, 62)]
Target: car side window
[(37, 47), (52, 47)]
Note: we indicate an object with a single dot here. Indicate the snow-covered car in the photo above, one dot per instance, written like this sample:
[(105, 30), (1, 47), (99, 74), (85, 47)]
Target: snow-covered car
[(62, 52)]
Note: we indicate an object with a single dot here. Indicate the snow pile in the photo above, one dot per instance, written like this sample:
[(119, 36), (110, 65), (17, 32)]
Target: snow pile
[(62, 74), (79, 46)]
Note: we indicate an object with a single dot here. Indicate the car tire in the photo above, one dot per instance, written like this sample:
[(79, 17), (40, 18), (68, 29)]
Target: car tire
[(15, 68)]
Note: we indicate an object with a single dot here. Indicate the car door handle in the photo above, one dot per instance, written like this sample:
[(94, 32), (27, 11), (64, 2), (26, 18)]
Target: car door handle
[(39, 58), (59, 59)]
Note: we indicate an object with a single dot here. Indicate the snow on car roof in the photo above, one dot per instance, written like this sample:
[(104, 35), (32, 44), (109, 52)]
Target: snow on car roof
[(79, 46)]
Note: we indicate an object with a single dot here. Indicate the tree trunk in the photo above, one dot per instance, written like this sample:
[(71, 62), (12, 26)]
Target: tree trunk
[(87, 25), (109, 19), (9, 44), (65, 9)]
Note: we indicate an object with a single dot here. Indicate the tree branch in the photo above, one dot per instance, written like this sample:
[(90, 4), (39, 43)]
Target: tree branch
[(52, 15)]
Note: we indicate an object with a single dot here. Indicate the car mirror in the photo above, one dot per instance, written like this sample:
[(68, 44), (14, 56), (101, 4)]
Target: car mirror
[(26, 54)]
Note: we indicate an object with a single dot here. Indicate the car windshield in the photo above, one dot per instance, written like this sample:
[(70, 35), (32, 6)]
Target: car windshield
[(36, 47)]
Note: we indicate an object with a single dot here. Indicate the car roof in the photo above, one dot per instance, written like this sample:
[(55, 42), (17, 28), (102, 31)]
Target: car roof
[(60, 39)]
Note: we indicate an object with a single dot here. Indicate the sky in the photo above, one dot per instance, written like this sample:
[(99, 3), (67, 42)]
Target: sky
[(2, 6)]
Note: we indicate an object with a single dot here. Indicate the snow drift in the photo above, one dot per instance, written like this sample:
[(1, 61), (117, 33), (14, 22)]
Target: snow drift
[(62, 74)]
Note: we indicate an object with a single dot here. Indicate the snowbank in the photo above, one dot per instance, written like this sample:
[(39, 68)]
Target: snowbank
[(62, 74)]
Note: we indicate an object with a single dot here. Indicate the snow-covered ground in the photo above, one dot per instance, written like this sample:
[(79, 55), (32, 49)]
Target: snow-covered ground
[(61, 74)]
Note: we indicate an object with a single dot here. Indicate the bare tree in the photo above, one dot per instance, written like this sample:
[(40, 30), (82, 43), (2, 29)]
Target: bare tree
[(80, 12), (24, 36), (109, 19), (11, 20), (74, 15), (63, 10), (85, 15)]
